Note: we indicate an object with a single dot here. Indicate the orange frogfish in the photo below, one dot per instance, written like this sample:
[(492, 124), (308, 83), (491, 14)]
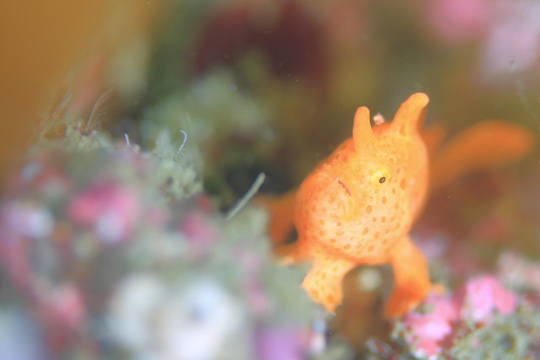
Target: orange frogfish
[(358, 206)]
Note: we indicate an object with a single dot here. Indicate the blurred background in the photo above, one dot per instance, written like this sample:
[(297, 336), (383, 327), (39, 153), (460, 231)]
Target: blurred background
[(294, 63), (272, 86)]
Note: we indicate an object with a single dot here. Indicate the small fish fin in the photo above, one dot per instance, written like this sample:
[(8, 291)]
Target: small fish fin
[(484, 145), (281, 210), (433, 137)]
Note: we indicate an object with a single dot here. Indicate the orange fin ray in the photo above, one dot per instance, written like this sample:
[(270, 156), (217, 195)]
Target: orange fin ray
[(411, 279), (433, 136), (281, 211), (323, 281), (484, 145)]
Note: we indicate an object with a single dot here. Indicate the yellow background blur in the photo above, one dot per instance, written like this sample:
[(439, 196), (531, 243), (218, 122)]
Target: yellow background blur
[(40, 43)]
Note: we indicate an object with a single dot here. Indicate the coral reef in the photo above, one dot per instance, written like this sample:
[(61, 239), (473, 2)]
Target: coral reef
[(116, 250), (489, 316)]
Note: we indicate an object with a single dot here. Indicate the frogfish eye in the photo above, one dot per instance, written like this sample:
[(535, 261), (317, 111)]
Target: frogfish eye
[(380, 177)]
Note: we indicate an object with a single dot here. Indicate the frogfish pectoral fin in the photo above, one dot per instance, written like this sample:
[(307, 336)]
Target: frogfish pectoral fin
[(323, 282), (281, 213), (411, 279)]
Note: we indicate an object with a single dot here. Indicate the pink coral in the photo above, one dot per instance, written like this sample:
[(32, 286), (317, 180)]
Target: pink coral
[(67, 304), (428, 330), (111, 209), (29, 220), (508, 30), (481, 297), (459, 20), (428, 333), (256, 297), (512, 43), (198, 229), (281, 344)]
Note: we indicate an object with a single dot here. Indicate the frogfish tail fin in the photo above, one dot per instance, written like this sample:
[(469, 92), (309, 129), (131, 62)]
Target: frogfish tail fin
[(484, 145), (433, 136)]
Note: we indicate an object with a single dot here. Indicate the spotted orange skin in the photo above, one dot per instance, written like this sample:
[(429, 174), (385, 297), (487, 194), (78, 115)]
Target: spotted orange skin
[(358, 206)]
